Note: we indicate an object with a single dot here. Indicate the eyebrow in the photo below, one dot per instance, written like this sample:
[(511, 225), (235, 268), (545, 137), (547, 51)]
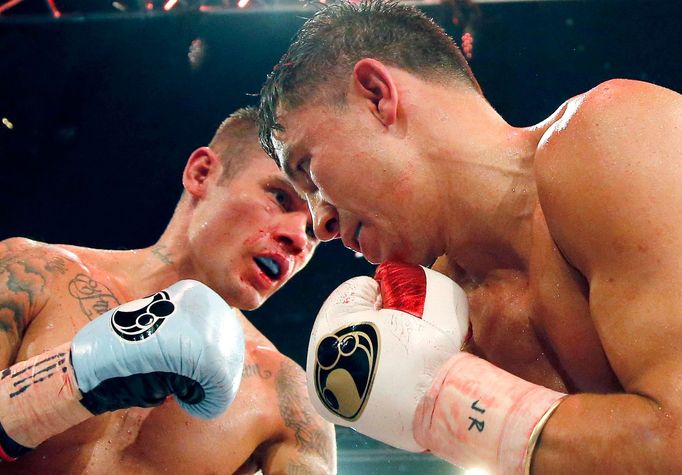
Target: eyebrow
[(283, 151), (286, 164)]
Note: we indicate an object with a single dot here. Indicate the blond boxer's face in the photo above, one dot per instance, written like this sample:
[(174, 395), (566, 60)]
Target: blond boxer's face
[(363, 185), (251, 233)]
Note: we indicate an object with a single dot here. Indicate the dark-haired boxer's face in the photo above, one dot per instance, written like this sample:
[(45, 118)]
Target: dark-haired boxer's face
[(363, 183), (251, 233)]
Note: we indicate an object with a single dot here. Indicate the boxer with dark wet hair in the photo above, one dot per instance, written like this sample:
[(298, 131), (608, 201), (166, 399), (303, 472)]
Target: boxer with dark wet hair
[(565, 236), (140, 361)]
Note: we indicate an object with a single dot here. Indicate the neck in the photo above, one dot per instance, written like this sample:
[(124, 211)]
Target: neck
[(160, 265), (490, 194)]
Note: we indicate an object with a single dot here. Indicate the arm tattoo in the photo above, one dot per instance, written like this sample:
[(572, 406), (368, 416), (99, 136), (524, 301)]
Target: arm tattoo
[(23, 277), (298, 414), (94, 297), (56, 265)]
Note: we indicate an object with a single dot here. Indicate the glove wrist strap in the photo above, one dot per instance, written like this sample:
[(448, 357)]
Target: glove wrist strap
[(477, 415)]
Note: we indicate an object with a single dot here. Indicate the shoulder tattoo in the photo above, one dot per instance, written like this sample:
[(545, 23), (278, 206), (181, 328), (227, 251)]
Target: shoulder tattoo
[(93, 297), (23, 279)]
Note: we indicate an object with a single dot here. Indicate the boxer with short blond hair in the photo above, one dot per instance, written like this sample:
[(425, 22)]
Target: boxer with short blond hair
[(564, 235), (140, 361)]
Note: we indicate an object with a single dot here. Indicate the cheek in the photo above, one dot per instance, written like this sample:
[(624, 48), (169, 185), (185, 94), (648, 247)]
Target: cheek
[(338, 165), (402, 179), (254, 225), (230, 225), (397, 193), (255, 235)]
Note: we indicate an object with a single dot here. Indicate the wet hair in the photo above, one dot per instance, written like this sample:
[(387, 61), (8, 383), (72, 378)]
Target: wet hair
[(318, 63), (235, 137)]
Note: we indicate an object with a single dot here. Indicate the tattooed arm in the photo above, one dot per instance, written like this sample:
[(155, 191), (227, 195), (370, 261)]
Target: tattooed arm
[(24, 272), (27, 271), (309, 444)]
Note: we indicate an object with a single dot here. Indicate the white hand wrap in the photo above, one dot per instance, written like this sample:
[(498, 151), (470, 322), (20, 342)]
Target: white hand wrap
[(477, 415), (39, 398)]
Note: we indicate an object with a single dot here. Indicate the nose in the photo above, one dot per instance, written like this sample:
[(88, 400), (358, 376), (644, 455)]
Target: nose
[(291, 233), (325, 220)]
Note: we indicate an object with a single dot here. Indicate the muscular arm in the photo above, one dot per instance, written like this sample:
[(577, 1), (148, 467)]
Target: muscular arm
[(609, 183), (24, 272), (309, 444)]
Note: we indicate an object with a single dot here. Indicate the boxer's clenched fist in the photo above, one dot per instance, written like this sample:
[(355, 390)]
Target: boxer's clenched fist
[(183, 341), (376, 346), (384, 358)]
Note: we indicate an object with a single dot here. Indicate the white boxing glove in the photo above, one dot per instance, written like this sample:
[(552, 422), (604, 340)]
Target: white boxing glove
[(369, 365), (384, 358)]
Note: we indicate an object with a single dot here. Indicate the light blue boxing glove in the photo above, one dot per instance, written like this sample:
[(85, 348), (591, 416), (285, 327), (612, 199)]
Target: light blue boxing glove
[(184, 341)]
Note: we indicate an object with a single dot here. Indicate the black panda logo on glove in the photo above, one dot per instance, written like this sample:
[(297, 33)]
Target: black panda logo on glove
[(345, 363), (138, 320)]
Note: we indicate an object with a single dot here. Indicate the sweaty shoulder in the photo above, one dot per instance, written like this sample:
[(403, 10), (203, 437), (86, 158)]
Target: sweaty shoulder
[(29, 247), (32, 267), (616, 110), (40, 275), (612, 153)]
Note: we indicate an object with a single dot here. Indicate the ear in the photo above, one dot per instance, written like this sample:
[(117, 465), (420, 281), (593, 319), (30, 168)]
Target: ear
[(202, 164), (373, 81)]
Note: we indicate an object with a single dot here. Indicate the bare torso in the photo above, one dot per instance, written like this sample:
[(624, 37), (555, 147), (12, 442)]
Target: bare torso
[(545, 307), (163, 439)]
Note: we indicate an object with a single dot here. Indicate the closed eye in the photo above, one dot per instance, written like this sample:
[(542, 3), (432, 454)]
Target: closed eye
[(304, 165), (303, 169)]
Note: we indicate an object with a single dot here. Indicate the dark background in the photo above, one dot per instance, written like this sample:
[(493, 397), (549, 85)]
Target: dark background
[(106, 108)]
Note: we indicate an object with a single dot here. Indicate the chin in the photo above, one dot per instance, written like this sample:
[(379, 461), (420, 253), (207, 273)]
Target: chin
[(252, 306), (375, 258), (242, 298), (248, 303), (373, 261)]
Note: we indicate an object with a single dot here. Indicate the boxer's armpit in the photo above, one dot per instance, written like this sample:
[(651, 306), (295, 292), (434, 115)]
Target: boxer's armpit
[(313, 436)]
